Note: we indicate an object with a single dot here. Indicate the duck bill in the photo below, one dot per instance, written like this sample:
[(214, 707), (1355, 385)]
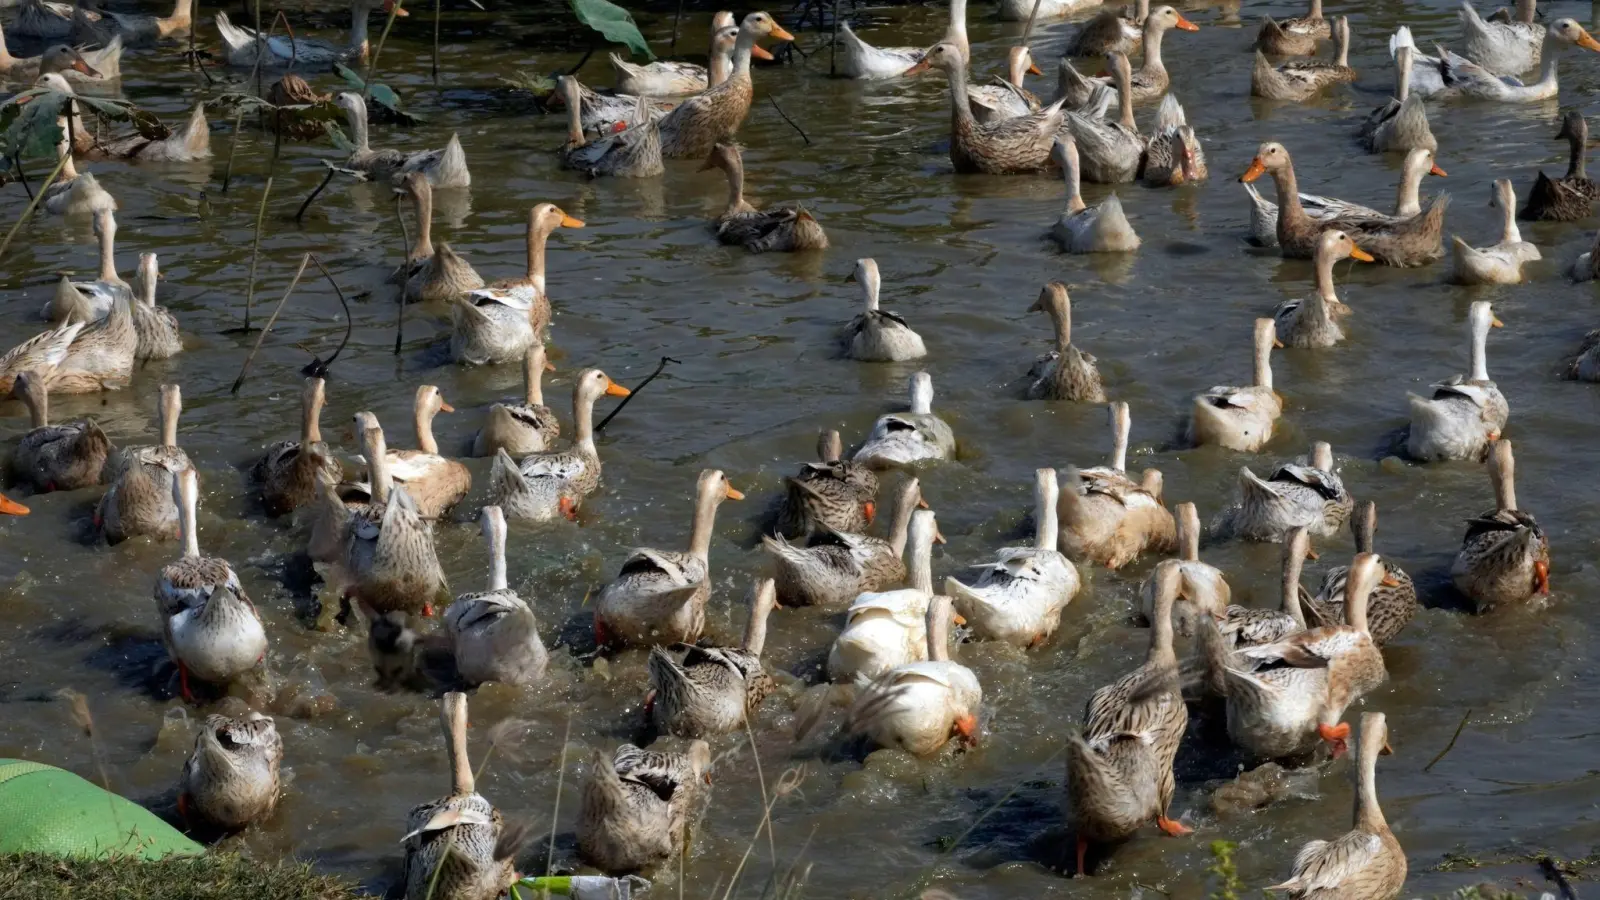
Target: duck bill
[(1587, 42), (10, 507), (1033, 69), (1256, 170), (1358, 253), (759, 52), (1435, 170), (780, 34), (1541, 577), (78, 65), (869, 511), (569, 222), (1187, 25), (616, 390), (733, 494), (921, 66), (1496, 323), (445, 407)]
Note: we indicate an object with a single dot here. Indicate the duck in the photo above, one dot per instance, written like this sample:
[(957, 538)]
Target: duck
[(601, 115), (1308, 495), (1150, 82), (59, 58), (1243, 626), (1202, 588), (64, 457), (525, 426), (1301, 79), (40, 354), (902, 439), (1366, 862), (212, 630), (435, 484), (659, 596), (240, 43), (1401, 123), (1024, 10), (668, 78), (636, 807), (498, 322), (1505, 48), (1065, 373), (47, 19), (1019, 597), (1240, 418), (456, 846), (833, 493), (493, 633), (1107, 517), (1109, 152), (1102, 228), (140, 500), (552, 483), (780, 229), (444, 168), (230, 780), (1505, 556), (993, 102), (1313, 321), (1465, 413), (859, 59), (288, 471), (693, 128), (1502, 262), (1585, 268), (632, 152), (159, 336), (834, 567), (389, 561), (431, 274), (73, 193), (139, 28), (1452, 75), (1017, 145), (91, 301), (875, 335), (1296, 36), (1295, 223), (1393, 602), (1303, 683), (1119, 767), (1571, 197), (1585, 364), (699, 692), (918, 706), (102, 356), (1173, 155), (1110, 31), (186, 144), (883, 629)]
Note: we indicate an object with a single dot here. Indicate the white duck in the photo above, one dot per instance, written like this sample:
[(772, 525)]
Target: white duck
[(444, 168), (918, 706), (859, 59), (1502, 262), (884, 629), (900, 439), (493, 632), (280, 51), (1505, 48), (1452, 75), (1019, 597), (668, 78), (876, 335), (1102, 228), (90, 301), (1465, 413), (1240, 418)]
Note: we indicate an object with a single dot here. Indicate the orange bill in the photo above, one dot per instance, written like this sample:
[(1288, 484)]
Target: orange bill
[(1435, 170), (733, 494), (1278, 345), (1389, 580), (1541, 577), (549, 366), (1187, 25), (1033, 69), (869, 510), (445, 407), (759, 52), (78, 65), (1496, 323), (922, 504), (1256, 170), (780, 34), (1387, 750), (10, 507), (569, 222), (921, 66), (1358, 253), (1587, 42), (938, 538), (616, 390)]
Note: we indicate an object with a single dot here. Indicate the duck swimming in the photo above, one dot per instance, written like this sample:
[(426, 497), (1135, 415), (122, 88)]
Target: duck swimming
[(1465, 413), (901, 439), (493, 632)]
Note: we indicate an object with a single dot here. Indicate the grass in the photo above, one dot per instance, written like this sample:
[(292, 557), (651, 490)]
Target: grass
[(211, 877)]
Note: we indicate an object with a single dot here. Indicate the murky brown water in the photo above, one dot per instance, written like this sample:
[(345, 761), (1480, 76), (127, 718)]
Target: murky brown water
[(962, 258)]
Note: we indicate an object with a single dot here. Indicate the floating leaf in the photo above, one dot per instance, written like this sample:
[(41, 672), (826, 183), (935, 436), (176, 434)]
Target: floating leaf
[(382, 94), (614, 22), (532, 82)]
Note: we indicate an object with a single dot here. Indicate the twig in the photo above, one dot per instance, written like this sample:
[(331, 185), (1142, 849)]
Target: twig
[(1450, 746), (317, 368), (676, 17), (300, 213), (34, 203), (625, 400), (1033, 16), (22, 176), (239, 382), (400, 314), (586, 54), (436, 43), (261, 46), (255, 255), (774, 101), (833, 50), (233, 145), (555, 812), (1552, 872), (761, 779), (372, 64)]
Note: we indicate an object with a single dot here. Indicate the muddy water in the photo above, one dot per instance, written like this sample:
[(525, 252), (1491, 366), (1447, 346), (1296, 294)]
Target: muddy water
[(962, 259)]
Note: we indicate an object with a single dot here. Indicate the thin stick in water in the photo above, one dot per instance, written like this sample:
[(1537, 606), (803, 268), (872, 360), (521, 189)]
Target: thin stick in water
[(301, 212), (1450, 746), (774, 101), (833, 51), (625, 400), (436, 43), (372, 64), (555, 811), (317, 368), (233, 145), (239, 382), (676, 18), (255, 255), (34, 203), (1033, 16)]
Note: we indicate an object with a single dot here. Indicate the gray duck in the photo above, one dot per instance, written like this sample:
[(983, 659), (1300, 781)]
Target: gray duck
[(698, 692), (62, 457), (289, 470), (836, 566), (230, 780), (637, 806)]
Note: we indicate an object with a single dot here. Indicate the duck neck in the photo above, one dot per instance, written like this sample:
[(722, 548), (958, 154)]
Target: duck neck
[(494, 529), (377, 452), (1119, 441), (358, 42), (1576, 140), (37, 399), (1325, 290), (191, 517), (454, 717), (719, 67), (1505, 484), (919, 568), (1342, 42), (1316, 10), (1061, 314), (182, 12), (1069, 171), (1264, 363), (533, 378), (311, 416), (1292, 564), (422, 202), (1153, 33), (705, 516), (871, 283), (358, 110), (1125, 88), (1365, 527), (939, 630), (108, 248), (1402, 73), (1290, 212), (583, 422), (1408, 199), (956, 31), (170, 410), (537, 237), (1355, 607), (1045, 524), (1161, 651), (741, 54), (1368, 814), (1189, 533), (1480, 352), (901, 526), (959, 105), (422, 424), (1018, 69), (755, 630), (1526, 10), (1507, 201)]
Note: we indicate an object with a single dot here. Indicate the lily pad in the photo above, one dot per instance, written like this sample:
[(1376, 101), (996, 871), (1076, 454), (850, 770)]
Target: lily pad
[(614, 23)]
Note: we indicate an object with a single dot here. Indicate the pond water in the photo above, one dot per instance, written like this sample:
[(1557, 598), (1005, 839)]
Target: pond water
[(962, 259)]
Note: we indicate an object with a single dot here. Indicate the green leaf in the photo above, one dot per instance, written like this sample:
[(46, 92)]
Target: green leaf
[(336, 135), (614, 22), (532, 82), (355, 81), (31, 128)]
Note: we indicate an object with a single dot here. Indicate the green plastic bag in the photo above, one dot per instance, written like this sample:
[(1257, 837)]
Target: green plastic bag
[(51, 811)]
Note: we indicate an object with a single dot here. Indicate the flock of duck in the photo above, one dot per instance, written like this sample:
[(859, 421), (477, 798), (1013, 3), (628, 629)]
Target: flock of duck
[(1283, 678)]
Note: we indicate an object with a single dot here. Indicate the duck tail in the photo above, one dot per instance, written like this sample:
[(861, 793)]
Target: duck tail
[(971, 604), (232, 35), (505, 478), (452, 165), (1171, 114), (197, 134), (1401, 38), (107, 60), (1263, 76)]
